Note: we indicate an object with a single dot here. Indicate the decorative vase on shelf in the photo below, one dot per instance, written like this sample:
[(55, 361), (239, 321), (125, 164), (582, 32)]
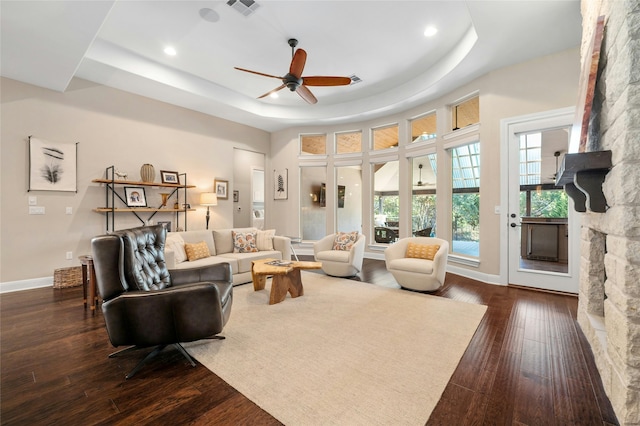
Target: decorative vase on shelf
[(165, 197), (147, 173)]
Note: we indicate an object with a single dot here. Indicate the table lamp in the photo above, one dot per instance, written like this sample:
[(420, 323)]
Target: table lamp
[(208, 199)]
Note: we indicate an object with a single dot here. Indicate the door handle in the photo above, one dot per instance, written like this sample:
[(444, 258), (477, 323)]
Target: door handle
[(514, 225)]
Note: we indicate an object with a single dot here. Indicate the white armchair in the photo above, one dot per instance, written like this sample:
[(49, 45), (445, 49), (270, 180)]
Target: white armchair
[(416, 273), (339, 263)]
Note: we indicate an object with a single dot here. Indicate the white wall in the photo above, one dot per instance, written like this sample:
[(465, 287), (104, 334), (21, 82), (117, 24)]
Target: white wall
[(546, 83), (112, 128)]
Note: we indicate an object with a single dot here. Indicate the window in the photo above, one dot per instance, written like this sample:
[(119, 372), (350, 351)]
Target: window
[(312, 215), (385, 137), (423, 196), (386, 203), (349, 198), (423, 128), (465, 113), (313, 144), (465, 199), (348, 142)]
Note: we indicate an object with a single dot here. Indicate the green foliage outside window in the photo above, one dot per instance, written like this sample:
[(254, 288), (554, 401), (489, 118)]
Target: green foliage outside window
[(549, 203), (423, 212), (466, 216)]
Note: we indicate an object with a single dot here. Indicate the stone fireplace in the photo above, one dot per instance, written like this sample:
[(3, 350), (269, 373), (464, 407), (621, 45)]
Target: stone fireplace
[(609, 299)]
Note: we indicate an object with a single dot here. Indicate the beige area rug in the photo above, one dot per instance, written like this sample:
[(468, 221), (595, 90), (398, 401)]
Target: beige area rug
[(345, 353)]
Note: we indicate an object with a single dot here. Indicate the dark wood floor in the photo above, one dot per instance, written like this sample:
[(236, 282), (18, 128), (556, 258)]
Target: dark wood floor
[(528, 364)]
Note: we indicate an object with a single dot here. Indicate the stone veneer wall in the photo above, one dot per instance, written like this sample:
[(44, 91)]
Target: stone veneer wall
[(609, 299)]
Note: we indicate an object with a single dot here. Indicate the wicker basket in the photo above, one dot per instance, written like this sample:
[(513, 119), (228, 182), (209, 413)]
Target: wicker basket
[(67, 277)]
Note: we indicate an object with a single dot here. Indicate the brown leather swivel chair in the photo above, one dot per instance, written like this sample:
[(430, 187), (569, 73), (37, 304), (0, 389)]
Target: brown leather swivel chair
[(146, 305)]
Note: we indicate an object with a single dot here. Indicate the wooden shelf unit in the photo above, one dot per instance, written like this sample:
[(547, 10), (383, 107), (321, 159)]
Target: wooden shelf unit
[(111, 195)]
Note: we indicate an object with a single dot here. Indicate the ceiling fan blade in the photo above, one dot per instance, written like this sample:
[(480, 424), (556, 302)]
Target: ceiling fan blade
[(297, 63), (306, 94), (272, 91), (326, 81), (259, 73)]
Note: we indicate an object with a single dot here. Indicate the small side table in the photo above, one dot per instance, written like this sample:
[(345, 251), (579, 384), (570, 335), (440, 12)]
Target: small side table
[(89, 282), (295, 240)]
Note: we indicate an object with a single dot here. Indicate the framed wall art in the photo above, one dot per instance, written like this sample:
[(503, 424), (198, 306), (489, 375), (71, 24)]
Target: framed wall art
[(222, 189), (52, 165), (135, 196), (280, 184), (169, 177)]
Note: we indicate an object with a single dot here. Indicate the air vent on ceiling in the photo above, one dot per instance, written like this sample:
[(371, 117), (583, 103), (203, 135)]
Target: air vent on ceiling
[(245, 7), (355, 79)]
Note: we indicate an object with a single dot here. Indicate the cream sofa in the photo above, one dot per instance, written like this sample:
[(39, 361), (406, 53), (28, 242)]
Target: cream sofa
[(221, 248)]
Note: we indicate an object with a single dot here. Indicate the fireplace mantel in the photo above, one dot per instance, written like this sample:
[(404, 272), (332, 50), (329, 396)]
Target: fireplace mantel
[(582, 175)]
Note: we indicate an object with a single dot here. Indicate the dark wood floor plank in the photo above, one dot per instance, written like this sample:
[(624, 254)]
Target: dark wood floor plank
[(527, 363)]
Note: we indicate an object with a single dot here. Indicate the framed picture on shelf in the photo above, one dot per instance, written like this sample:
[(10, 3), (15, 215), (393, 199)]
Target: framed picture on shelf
[(222, 189), (135, 196), (236, 196), (166, 224), (169, 177)]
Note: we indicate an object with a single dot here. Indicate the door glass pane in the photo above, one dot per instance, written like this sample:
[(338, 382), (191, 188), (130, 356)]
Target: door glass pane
[(349, 198), (544, 207), (465, 199), (386, 203), (312, 214), (423, 196)]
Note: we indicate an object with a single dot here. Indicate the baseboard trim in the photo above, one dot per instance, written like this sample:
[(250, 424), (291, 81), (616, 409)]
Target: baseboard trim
[(11, 286)]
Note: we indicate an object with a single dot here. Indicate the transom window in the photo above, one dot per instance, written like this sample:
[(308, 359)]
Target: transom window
[(385, 137), (348, 142), (313, 144), (423, 128)]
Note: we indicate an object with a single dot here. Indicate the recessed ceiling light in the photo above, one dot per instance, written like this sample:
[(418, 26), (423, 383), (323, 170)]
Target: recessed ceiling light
[(209, 15), (430, 31), (170, 51), (274, 95)]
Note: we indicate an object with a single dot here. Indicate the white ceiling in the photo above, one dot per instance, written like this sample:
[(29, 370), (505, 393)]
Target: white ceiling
[(120, 44)]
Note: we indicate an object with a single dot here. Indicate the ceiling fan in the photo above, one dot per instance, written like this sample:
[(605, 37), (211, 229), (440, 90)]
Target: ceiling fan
[(294, 79), (420, 183)]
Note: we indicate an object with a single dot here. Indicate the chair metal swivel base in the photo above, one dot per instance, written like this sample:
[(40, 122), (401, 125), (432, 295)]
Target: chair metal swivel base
[(154, 353)]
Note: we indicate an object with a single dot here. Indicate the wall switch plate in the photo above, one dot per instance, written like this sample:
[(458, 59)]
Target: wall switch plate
[(69, 210), (69, 255), (33, 200), (36, 210)]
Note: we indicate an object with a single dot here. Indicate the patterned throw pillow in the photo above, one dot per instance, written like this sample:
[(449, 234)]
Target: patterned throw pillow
[(264, 239), (196, 251), (244, 242), (345, 240), (422, 251)]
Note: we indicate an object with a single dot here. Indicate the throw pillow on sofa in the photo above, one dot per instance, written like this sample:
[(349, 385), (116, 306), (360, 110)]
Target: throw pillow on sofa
[(176, 244), (422, 251), (244, 242), (196, 251), (345, 240), (264, 239)]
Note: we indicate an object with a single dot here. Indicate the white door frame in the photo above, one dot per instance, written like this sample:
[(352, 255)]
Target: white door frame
[(508, 127)]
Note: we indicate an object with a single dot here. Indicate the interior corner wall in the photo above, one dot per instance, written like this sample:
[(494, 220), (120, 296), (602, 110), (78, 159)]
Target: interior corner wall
[(543, 84), (111, 127)]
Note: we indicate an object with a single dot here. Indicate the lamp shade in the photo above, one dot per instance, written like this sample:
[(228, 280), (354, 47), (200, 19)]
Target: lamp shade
[(208, 199)]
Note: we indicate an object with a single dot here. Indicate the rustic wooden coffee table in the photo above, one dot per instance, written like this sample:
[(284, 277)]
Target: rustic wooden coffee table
[(286, 278)]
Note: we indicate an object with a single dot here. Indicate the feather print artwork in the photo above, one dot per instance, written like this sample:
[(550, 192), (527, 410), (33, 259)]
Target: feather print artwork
[(52, 170)]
